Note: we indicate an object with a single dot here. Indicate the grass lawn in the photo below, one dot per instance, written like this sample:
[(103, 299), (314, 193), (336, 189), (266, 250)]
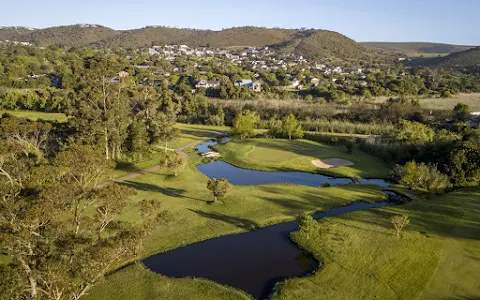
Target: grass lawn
[(35, 115), (297, 155), (137, 283), (438, 256)]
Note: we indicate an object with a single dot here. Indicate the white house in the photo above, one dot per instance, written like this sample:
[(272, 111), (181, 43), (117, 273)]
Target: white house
[(207, 84)]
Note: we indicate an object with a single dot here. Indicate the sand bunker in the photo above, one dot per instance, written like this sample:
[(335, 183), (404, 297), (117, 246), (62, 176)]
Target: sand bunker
[(331, 163)]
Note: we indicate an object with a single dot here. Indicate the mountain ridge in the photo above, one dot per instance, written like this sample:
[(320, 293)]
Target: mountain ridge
[(417, 48), (312, 43)]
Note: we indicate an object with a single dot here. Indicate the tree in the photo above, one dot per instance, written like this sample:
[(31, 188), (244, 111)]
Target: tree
[(81, 167), (461, 111), (464, 163), (415, 175), (163, 129), (409, 175), (137, 139), (291, 127), (32, 137), (176, 163), (400, 222), (219, 187), (414, 132), (101, 107), (56, 252), (306, 224), (245, 124), (218, 119)]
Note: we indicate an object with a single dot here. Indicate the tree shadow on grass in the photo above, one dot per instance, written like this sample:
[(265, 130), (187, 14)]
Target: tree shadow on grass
[(171, 192), (443, 217), (239, 222), (315, 200)]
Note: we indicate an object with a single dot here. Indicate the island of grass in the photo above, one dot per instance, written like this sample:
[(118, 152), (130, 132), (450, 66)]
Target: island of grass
[(297, 155), (437, 257)]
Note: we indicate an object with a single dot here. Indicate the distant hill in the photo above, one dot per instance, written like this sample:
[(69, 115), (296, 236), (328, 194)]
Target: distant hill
[(67, 36), (14, 33), (417, 48), (465, 60), (309, 43)]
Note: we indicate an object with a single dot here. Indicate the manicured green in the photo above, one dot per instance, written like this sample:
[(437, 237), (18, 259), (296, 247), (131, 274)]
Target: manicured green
[(297, 155), (436, 258), (35, 115)]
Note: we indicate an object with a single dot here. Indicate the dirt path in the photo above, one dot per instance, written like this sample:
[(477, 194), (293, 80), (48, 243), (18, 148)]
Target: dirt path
[(178, 151)]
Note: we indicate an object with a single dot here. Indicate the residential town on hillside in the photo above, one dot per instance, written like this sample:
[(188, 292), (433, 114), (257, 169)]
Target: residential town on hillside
[(255, 68)]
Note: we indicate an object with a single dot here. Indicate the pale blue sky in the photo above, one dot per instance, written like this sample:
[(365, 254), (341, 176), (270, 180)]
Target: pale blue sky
[(446, 21)]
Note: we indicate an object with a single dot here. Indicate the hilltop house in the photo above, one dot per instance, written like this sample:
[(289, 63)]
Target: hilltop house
[(254, 85), (207, 84), (314, 81), (123, 74), (294, 83)]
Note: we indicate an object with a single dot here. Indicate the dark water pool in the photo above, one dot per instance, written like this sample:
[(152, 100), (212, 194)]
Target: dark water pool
[(239, 176), (253, 261)]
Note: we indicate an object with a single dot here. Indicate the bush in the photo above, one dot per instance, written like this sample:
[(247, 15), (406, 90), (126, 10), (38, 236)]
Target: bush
[(306, 222), (420, 175)]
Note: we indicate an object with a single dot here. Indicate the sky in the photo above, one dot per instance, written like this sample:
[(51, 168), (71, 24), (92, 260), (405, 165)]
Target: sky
[(447, 21)]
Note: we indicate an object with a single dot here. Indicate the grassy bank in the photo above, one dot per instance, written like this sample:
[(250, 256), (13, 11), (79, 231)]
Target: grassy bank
[(437, 257), (297, 155)]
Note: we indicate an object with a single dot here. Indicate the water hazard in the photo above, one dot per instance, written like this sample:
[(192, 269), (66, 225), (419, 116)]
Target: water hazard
[(253, 261)]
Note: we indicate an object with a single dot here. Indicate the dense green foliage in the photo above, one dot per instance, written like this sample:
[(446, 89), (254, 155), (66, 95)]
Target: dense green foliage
[(414, 175), (245, 124)]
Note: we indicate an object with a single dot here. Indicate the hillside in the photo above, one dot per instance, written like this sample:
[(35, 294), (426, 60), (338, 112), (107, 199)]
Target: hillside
[(467, 60), (145, 37), (309, 43), (14, 33), (417, 48), (70, 36), (67, 36), (324, 43)]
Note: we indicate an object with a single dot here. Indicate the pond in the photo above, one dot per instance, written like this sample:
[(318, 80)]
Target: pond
[(253, 261), (256, 260)]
